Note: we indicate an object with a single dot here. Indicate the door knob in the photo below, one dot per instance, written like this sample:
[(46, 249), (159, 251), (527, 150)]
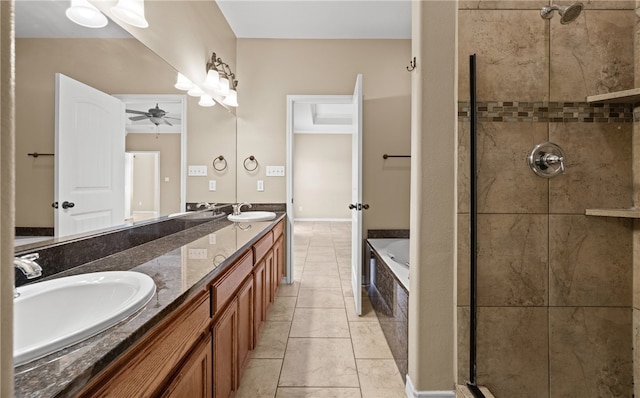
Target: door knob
[(365, 206), (66, 205), (352, 206), (54, 205)]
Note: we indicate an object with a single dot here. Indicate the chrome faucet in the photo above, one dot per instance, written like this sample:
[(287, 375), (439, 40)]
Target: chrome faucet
[(237, 208), (205, 205), (27, 264)]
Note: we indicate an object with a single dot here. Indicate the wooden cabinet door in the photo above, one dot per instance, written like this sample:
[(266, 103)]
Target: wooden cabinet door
[(269, 279), (225, 352), (194, 378), (259, 305), (245, 325), (278, 256)]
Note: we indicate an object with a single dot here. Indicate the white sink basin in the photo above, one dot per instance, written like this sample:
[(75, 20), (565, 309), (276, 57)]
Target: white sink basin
[(55, 314), (252, 216)]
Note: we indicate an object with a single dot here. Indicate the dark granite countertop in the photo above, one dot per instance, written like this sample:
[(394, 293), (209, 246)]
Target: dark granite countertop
[(180, 270)]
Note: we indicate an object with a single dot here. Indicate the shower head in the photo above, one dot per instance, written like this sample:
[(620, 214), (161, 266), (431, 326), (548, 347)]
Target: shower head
[(568, 14)]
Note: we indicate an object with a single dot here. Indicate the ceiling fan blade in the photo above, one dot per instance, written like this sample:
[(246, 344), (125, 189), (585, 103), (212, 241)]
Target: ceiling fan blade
[(173, 118), (134, 111), (136, 118), (166, 121)]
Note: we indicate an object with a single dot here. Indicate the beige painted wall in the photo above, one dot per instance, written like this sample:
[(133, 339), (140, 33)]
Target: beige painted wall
[(272, 69), (6, 197), (322, 177), (211, 131), (142, 198), (169, 147)]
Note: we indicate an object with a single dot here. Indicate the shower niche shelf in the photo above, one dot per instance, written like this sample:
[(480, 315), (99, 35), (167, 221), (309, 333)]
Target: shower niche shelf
[(626, 97), (621, 213)]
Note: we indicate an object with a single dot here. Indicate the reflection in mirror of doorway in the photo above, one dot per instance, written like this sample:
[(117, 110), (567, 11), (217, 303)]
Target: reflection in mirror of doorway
[(142, 185)]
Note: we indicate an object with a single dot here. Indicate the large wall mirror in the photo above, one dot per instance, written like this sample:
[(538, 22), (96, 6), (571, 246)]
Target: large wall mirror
[(110, 60)]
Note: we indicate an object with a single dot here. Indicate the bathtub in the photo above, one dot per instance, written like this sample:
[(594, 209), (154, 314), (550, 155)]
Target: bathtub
[(395, 254)]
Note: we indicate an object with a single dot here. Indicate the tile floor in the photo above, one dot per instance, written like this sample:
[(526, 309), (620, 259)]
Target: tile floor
[(313, 344)]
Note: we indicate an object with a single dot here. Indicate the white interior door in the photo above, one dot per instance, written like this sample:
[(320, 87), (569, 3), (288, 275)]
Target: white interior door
[(356, 197), (89, 160)]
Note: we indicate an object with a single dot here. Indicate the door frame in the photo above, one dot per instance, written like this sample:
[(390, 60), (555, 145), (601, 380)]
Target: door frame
[(291, 100), (156, 179)]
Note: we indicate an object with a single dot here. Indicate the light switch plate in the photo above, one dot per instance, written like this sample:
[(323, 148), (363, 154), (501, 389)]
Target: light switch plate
[(275, 171), (197, 171), (212, 185), (197, 254), (260, 185)]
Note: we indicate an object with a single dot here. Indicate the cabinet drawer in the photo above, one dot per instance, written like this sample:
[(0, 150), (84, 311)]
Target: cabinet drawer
[(146, 368), (278, 230), (261, 247), (223, 289)]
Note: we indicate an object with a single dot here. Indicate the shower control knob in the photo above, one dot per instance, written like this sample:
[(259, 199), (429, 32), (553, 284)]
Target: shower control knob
[(547, 160)]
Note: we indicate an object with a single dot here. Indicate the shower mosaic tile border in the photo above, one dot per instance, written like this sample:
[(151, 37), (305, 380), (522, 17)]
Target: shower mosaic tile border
[(545, 112)]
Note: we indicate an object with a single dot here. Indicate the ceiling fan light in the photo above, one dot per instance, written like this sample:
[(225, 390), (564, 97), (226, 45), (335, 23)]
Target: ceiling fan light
[(206, 101), (224, 87), (195, 91), (182, 83), (86, 14), (213, 79), (231, 99), (131, 12)]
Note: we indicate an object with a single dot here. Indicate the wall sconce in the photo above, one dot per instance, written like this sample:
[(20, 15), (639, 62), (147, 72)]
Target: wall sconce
[(219, 78), (131, 12), (222, 80), (86, 14)]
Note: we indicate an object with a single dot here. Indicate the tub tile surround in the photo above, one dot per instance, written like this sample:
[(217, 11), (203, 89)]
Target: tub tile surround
[(555, 288), (177, 277)]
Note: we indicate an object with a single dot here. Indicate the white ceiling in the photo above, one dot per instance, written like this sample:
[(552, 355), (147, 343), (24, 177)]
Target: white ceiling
[(276, 19), (318, 19)]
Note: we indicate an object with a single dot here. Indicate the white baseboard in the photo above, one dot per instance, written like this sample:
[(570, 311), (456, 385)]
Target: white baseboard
[(411, 392)]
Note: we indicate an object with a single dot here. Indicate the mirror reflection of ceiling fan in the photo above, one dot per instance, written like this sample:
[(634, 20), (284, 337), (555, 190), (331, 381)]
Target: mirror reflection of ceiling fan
[(155, 115)]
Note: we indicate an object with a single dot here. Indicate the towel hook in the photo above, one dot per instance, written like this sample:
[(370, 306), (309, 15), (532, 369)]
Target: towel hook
[(250, 159), (217, 161), (412, 65)]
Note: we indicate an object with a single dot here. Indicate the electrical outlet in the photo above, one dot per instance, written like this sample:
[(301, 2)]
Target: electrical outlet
[(197, 171), (212, 185), (198, 254), (275, 171), (260, 185)]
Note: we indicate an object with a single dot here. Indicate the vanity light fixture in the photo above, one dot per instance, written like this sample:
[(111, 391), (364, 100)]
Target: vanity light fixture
[(195, 91), (183, 83), (131, 12), (225, 84), (86, 14), (206, 100)]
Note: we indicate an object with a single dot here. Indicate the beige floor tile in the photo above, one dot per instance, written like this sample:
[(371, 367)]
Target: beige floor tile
[(260, 379), (369, 341), (368, 314), (329, 392), (319, 363), (321, 298), (311, 280), (289, 290), (380, 378), (272, 341), (319, 322), (282, 309)]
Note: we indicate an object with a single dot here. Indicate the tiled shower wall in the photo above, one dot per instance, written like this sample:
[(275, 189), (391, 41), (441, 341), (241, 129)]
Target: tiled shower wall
[(554, 285)]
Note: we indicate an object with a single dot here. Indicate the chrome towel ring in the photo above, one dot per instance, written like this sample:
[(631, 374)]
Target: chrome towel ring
[(220, 163), (249, 160)]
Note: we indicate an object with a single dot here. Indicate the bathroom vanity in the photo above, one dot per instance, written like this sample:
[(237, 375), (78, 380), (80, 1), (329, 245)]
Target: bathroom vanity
[(215, 282)]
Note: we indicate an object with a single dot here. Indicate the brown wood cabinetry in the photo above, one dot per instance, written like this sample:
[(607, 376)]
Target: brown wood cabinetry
[(194, 378), (203, 347)]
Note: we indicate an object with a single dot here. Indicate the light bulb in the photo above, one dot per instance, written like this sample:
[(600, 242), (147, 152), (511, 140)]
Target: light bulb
[(231, 99), (224, 87), (213, 79), (195, 91)]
